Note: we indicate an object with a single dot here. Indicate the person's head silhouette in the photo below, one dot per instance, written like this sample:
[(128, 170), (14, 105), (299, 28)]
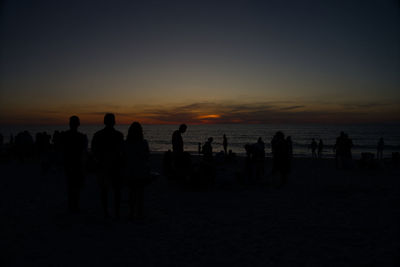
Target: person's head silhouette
[(74, 123), (135, 132), (182, 128), (109, 120)]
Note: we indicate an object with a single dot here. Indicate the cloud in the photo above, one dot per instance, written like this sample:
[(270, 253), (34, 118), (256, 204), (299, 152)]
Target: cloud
[(221, 112), (292, 107)]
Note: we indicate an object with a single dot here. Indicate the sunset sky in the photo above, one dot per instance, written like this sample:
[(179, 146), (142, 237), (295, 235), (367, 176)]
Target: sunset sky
[(200, 61)]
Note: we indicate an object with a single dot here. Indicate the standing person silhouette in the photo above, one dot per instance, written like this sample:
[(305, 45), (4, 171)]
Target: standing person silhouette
[(280, 155), (178, 149), (225, 144), (320, 148), (177, 141), (380, 147), (74, 145), (259, 157), (138, 168), (208, 150), (313, 147), (107, 147)]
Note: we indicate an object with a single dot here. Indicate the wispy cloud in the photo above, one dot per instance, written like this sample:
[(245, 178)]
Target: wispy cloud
[(221, 112)]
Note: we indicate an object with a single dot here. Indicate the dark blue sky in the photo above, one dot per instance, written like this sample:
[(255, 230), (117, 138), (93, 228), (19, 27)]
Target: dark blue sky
[(131, 57)]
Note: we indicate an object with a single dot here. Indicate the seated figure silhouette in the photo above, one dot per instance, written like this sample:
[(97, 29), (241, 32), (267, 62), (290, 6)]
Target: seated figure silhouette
[(107, 147), (137, 167), (73, 145)]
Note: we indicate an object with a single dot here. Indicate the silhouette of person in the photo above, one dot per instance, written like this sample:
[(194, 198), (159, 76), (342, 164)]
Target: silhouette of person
[(138, 168), (320, 148), (178, 149), (177, 141), (248, 163), (289, 143), (348, 145), (107, 147), (313, 147), (225, 144), (208, 150), (379, 148), (259, 157), (338, 148), (73, 145), (280, 156)]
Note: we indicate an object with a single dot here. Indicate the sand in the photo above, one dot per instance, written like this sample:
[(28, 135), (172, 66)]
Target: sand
[(322, 217)]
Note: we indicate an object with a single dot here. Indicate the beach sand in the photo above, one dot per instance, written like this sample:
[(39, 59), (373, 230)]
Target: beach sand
[(322, 217)]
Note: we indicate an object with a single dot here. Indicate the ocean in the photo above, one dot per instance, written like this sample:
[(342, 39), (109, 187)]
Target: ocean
[(364, 136)]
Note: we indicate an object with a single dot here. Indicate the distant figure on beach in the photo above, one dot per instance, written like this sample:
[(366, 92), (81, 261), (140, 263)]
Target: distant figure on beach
[(289, 143), (107, 147), (280, 156), (313, 147), (337, 149), (177, 141), (320, 148), (348, 145), (208, 150), (342, 150), (379, 149), (259, 157), (137, 167), (73, 146), (248, 164), (225, 144), (179, 156)]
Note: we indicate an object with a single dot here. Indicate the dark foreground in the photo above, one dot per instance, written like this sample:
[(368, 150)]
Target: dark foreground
[(322, 217)]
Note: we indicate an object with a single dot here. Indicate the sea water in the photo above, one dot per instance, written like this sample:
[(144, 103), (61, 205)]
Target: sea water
[(365, 136)]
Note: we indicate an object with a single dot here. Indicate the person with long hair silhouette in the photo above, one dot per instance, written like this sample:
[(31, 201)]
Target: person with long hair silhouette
[(138, 168)]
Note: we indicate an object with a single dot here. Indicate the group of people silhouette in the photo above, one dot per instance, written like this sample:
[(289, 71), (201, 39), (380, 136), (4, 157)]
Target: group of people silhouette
[(115, 159), (120, 162)]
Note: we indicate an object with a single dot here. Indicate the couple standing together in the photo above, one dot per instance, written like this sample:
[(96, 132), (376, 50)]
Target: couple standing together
[(114, 159)]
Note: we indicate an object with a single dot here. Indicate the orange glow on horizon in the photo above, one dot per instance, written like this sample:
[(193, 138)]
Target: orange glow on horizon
[(211, 116)]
